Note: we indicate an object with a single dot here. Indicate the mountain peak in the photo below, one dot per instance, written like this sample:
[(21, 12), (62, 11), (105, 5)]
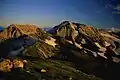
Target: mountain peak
[(16, 30), (65, 22), (66, 28)]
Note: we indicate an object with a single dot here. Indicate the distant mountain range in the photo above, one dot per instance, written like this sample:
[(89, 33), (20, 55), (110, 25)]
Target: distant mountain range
[(113, 29), (47, 29), (68, 51)]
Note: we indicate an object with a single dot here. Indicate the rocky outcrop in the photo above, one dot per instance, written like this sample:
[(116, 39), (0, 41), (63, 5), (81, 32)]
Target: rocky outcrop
[(6, 65)]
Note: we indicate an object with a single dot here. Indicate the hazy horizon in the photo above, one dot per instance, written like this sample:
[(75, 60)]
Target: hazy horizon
[(44, 13)]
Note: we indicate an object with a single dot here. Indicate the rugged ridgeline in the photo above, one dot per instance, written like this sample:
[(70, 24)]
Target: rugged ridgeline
[(69, 49), (16, 30), (27, 46), (86, 35), (80, 30)]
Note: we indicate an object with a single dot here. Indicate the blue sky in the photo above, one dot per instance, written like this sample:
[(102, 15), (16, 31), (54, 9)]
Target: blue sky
[(48, 13)]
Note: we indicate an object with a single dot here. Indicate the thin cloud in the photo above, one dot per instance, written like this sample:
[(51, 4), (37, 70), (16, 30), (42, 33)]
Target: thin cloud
[(116, 12), (117, 7), (108, 5)]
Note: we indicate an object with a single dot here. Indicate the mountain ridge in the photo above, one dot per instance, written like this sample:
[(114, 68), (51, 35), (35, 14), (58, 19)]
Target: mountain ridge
[(88, 49), (16, 30)]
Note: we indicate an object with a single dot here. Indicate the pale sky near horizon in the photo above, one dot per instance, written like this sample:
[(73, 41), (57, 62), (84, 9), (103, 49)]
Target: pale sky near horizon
[(48, 13)]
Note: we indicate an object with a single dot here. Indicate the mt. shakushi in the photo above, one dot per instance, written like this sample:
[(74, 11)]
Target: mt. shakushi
[(16, 30)]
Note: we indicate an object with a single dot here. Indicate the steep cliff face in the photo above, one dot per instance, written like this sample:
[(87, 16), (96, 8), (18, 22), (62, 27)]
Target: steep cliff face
[(90, 32)]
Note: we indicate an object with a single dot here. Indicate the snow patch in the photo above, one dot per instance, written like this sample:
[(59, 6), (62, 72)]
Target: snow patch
[(51, 42)]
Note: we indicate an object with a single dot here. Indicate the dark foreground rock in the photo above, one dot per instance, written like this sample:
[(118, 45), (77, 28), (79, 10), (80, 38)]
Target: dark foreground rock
[(41, 69)]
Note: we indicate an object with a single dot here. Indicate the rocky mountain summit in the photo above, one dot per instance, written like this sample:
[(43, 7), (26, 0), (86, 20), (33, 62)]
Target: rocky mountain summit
[(16, 30), (68, 51), (87, 36)]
